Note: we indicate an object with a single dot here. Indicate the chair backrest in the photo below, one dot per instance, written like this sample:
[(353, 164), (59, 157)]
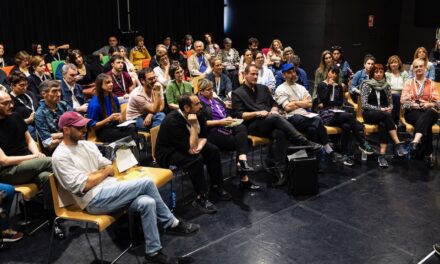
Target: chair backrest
[(55, 65), (358, 107), (54, 191), (105, 59), (195, 83), (8, 69), (154, 132), (146, 63)]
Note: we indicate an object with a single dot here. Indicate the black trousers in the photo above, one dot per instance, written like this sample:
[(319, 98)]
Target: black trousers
[(396, 108), (423, 120), (313, 127), (193, 165), (280, 131), (109, 134), (237, 141), (347, 122), (383, 119)]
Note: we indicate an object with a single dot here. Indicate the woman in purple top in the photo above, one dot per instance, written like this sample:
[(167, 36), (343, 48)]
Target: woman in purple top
[(224, 133)]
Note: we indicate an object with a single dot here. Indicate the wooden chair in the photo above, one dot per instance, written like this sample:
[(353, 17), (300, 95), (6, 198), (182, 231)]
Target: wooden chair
[(26, 192), (333, 130), (258, 142), (195, 84), (75, 213), (160, 177), (8, 69), (55, 65)]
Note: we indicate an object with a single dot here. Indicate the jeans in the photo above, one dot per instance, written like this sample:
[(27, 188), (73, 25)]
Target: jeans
[(156, 121), (142, 196), (6, 203)]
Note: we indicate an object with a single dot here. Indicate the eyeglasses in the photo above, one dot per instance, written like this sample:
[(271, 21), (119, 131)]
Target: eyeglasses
[(73, 74)]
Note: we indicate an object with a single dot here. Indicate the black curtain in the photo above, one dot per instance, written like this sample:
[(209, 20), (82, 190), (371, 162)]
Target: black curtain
[(86, 24), (157, 19), (82, 24)]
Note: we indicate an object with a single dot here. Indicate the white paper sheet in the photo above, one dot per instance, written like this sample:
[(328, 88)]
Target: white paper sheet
[(125, 159), (126, 123)]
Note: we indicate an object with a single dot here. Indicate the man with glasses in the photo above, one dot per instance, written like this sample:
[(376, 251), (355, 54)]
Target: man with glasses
[(146, 102), (198, 63), (182, 142), (71, 92), (48, 114), (20, 160), (86, 175)]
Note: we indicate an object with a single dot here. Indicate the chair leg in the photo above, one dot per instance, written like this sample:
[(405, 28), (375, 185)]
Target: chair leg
[(130, 232), (51, 238), (100, 248)]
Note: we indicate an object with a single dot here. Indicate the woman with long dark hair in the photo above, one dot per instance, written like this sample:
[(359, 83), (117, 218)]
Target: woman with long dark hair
[(105, 111)]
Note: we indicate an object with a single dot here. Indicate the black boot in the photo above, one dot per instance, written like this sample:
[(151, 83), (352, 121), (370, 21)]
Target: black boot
[(243, 166)]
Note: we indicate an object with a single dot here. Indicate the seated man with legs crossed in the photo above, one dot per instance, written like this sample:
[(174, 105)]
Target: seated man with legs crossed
[(295, 99), (254, 103), (82, 170), (182, 141)]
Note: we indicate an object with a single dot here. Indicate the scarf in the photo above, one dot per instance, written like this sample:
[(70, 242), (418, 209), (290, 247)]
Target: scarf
[(377, 85)]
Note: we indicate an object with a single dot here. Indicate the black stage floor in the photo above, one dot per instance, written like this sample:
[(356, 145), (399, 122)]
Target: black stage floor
[(362, 215)]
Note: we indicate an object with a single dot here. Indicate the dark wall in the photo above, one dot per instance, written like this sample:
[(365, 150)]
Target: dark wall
[(87, 24), (312, 26), (81, 23), (299, 24), (412, 36)]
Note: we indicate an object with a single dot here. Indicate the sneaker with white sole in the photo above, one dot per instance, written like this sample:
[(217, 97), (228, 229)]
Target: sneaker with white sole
[(383, 163), (10, 236), (367, 148)]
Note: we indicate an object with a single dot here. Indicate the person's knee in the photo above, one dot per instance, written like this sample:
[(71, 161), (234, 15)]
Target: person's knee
[(346, 127), (146, 203)]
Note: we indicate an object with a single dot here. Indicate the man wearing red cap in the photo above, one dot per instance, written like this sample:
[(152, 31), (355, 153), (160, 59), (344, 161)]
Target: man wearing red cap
[(82, 170)]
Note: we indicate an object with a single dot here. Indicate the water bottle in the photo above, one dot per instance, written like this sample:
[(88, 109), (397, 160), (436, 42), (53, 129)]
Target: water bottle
[(364, 156), (173, 199)]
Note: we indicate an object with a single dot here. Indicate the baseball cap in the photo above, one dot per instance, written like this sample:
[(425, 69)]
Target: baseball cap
[(287, 67), (71, 118)]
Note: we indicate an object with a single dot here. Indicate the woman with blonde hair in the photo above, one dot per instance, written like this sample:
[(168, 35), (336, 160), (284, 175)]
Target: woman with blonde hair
[(396, 77), (422, 53), (420, 100), (275, 55)]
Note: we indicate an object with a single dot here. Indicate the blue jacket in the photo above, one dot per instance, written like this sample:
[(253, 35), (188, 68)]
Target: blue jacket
[(46, 120), (358, 78), (66, 94)]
